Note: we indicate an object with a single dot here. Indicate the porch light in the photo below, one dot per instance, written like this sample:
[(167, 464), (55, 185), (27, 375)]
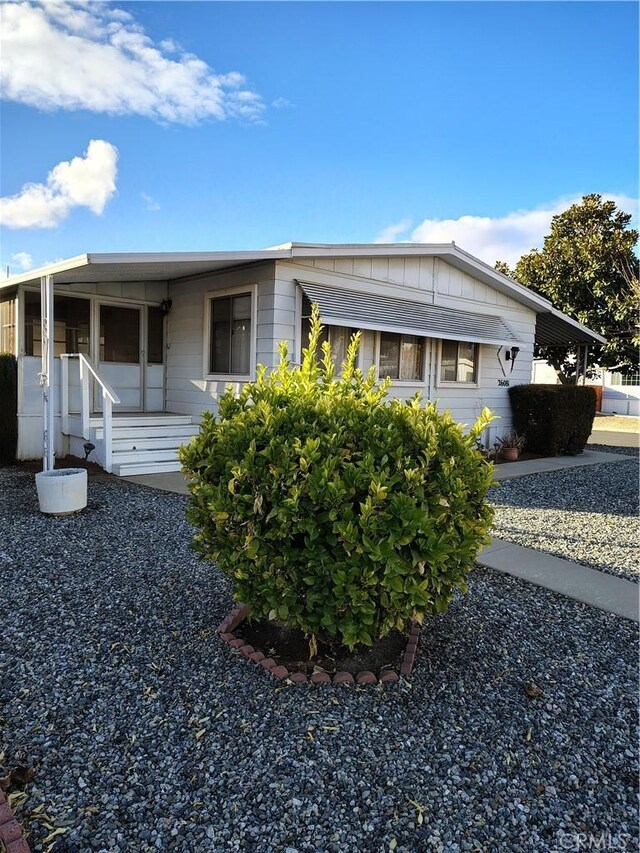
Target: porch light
[(165, 306), (512, 354)]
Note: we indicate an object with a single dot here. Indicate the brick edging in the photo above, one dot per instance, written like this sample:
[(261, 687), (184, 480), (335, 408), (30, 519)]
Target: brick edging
[(227, 633), (10, 829)]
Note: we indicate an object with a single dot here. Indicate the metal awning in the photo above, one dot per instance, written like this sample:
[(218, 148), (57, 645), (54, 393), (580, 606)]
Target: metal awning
[(387, 314), (555, 329)]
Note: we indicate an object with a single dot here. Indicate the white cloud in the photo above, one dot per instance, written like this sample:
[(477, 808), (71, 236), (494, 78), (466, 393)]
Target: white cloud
[(73, 55), (502, 238), (391, 233), (87, 181), (282, 104), (149, 202), (23, 259)]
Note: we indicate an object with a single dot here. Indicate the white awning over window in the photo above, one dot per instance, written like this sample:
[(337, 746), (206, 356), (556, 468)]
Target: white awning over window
[(388, 314)]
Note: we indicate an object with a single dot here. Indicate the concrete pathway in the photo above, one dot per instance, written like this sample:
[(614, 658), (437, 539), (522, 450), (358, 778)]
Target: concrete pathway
[(598, 589), (615, 438), (172, 481), (510, 470)]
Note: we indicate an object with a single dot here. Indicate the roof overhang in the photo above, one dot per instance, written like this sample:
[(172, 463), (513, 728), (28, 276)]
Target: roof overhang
[(555, 329), (552, 329), (141, 266)]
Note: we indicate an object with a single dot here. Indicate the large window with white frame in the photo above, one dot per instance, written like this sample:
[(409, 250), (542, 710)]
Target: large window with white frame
[(459, 362), (401, 357), (230, 334)]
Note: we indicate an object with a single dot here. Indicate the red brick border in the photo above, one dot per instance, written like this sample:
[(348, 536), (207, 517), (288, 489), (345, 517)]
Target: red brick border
[(226, 631), (10, 829)]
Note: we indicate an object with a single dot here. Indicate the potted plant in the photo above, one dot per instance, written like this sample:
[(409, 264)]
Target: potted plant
[(511, 445), (62, 491)]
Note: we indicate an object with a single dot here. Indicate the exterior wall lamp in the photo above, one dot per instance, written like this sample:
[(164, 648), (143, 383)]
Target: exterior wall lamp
[(511, 355), (165, 306)]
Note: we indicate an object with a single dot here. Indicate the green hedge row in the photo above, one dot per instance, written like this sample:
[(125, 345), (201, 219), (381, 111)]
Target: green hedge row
[(553, 418), (8, 408)]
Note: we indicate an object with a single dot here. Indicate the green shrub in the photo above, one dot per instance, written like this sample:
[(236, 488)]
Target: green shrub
[(332, 509), (8, 408), (553, 418)]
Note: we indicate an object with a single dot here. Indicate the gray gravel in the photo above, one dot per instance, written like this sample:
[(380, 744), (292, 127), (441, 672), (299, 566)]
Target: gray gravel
[(586, 514), (147, 733)]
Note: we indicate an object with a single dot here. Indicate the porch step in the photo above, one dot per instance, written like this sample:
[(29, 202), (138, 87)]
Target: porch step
[(161, 442), (134, 420), (128, 469), (169, 454), (180, 432), (145, 444)]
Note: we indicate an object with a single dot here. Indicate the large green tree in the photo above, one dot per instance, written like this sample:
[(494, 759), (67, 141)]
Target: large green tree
[(587, 268)]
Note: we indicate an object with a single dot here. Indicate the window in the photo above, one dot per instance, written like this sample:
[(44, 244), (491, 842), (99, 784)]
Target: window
[(155, 336), (459, 362), (339, 337), (119, 334), (401, 357), (70, 327), (230, 335), (8, 325)]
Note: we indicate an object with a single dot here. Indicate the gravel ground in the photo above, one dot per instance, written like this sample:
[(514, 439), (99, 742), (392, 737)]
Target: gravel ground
[(587, 514), (146, 733)]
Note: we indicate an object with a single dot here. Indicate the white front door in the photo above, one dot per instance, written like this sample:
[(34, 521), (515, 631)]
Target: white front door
[(120, 356)]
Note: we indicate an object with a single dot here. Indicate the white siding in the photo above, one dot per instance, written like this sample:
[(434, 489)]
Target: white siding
[(188, 391), (407, 272), (136, 291)]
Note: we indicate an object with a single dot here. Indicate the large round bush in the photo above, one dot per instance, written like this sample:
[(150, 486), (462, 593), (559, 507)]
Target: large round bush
[(332, 508)]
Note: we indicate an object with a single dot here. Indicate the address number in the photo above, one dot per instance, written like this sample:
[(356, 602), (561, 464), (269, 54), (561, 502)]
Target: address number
[(503, 383)]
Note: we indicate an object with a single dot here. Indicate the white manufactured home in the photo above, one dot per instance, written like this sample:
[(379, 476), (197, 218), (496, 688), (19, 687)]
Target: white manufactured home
[(125, 351)]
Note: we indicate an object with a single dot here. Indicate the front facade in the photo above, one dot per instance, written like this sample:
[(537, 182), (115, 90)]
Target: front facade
[(157, 338)]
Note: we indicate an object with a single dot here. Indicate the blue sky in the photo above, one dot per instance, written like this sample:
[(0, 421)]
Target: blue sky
[(214, 126)]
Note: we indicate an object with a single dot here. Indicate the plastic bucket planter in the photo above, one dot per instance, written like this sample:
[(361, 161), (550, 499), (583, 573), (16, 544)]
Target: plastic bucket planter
[(62, 491)]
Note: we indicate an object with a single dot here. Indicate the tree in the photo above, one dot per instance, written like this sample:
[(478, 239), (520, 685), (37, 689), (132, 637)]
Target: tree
[(587, 268)]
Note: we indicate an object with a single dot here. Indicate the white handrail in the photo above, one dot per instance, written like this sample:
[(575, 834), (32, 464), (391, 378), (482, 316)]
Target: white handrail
[(109, 399)]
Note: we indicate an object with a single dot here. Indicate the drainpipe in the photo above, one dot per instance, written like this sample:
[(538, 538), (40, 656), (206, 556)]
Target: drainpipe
[(47, 372)]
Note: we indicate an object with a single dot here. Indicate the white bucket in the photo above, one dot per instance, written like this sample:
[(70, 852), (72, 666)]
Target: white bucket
[(62, 491)]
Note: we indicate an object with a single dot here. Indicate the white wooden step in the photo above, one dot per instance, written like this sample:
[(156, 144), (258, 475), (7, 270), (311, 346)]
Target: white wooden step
[(180, 432), (144, 442), (166, 455), (130, 469), (134, 420)]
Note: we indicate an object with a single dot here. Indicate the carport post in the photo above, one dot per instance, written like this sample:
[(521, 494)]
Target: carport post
[(584, 366), (47, 372)]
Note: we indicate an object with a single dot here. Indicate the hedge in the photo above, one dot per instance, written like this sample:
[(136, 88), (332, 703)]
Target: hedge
[(8, 408), (553, 418)]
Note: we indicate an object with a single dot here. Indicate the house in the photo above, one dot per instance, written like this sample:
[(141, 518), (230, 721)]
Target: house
[(141, 344)]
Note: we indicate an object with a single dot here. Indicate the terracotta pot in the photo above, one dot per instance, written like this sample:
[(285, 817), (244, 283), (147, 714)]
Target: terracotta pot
[(510, 454)]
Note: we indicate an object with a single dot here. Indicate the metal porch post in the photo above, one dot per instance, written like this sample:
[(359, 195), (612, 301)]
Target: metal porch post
[(47, 376)]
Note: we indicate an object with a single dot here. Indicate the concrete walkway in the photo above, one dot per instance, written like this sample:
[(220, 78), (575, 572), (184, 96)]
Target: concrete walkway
[(172, 481), (615, 438), (510, 470), (598, 589)]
